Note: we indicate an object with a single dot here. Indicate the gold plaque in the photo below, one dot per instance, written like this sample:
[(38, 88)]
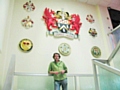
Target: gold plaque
[(26, 45)]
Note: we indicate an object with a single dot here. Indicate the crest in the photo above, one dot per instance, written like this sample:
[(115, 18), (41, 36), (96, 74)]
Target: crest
[(96, 52), (62, 24), (90, 18), (29, 6), (27, 22), (93, 32)]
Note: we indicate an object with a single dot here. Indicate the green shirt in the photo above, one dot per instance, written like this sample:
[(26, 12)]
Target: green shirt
[(58, 66)]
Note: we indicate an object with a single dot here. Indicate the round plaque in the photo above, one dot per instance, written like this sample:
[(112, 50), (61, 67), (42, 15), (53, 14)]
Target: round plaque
[(64, 49), (96, 52), (26, 45)]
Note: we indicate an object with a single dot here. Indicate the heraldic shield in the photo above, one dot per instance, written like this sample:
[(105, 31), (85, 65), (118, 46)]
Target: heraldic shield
[(64, 25)]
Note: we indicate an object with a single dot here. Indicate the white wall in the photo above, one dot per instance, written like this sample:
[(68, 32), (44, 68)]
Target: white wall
[(79, 61), (4, 9), (5, 17), (38, 59), (4, 5), (106, 26)]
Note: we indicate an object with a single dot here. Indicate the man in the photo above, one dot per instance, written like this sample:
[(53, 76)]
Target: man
[(58, 69)]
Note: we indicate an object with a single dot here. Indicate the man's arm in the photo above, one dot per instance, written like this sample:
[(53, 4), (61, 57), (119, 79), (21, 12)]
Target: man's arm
[(54, 72), (65, 69), (50, 71)]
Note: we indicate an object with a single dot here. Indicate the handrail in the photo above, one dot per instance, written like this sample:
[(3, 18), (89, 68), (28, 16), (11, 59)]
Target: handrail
[(114, 52), (107, 67), (44, 74), (114, 29)]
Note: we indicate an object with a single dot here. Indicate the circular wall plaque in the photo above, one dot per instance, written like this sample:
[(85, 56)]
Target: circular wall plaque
[(96, 52), (64, 49), (26, 45)]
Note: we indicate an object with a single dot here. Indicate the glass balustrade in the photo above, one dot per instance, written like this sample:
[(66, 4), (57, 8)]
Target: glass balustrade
[(116, 35), (10, 74), (108, 80), (86, 83), (106, 77), (32, 83), (116, 59), (41, 82)]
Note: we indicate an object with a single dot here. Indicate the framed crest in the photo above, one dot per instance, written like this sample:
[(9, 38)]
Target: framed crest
[(96, 52)]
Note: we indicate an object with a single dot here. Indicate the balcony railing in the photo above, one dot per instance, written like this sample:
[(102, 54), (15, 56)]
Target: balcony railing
[(30, 81), (107, 75)]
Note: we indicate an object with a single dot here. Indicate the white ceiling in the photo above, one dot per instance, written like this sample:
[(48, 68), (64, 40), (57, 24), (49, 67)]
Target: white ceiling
[(114, 4)]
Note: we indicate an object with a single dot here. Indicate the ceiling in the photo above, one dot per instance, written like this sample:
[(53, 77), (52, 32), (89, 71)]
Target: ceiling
[(114, 4)]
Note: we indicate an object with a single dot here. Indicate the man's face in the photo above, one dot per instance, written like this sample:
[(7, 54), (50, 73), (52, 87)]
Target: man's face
[(56, 57)]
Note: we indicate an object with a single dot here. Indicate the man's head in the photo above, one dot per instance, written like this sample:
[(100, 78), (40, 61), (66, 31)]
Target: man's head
[(56, 56)]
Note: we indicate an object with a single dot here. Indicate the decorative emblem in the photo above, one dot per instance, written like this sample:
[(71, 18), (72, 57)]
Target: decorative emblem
[(64, 49), (96, 52), (27, 22), (26, 45), (90, 18), (92, 32), (67, 25), (29, 6)]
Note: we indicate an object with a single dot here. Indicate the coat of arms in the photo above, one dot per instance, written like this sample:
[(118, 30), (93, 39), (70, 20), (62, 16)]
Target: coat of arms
[(27, 22), (96, 52), (29, 6), (64, 25), (92, 32)]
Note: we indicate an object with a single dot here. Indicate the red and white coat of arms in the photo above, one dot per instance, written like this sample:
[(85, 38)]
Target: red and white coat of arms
[(67, 25)]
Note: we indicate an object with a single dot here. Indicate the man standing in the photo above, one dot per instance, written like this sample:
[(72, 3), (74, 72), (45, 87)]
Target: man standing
[(58, 69)]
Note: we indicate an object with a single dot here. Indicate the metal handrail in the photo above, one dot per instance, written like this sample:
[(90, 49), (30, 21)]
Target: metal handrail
[(114, 29), (107, 67), (45, 74), (114, 52)]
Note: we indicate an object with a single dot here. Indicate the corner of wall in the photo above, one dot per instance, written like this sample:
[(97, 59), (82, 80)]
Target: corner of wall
[(104, 24)]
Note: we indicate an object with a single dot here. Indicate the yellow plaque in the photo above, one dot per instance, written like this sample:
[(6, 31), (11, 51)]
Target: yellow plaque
[(26, 45)]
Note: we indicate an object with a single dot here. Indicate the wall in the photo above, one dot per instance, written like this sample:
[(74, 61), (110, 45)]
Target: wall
[(79, 61), (5, 17), (38, 59), (4, 5), (106, 26)]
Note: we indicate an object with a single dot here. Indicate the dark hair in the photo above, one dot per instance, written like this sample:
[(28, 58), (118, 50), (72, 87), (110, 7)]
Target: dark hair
[(57, 54)]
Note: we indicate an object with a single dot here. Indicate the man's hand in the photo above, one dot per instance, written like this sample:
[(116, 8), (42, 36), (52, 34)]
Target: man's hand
[(63, 71), (56, 72)]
